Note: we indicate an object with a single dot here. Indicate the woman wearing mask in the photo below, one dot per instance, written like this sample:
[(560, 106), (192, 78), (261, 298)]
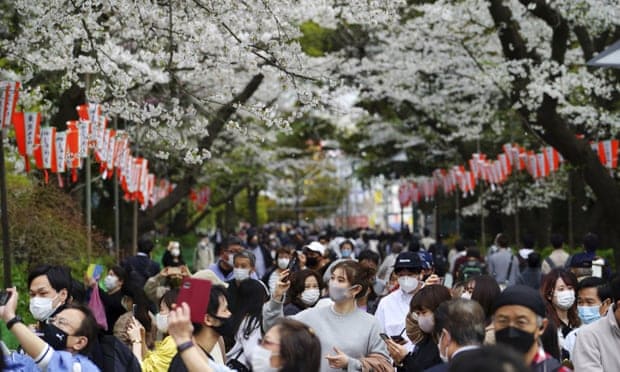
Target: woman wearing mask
[(283, 258), (558, 290), (304, 292), (247, 323), (158, 359), (111, 298), (349, 336), (426, 353), (484, 290), (172, 256), (289, 346), (136, 305)]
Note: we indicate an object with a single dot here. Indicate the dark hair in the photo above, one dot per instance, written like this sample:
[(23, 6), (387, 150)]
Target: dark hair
[(528, 241), (298, 285), (590, 242), (369, 255), (137, 295), (459, 245), (233, 240), (58, 276), (547, 287), (495, 358), (603, 290), (119, 272), (429, 297), (550, 342), (557, 240), (251, 297), (145, 245), (217, 291), (284, 249), (77, 294), (300, 348), (347, 241), (533, 260), (501, 240), (356, 274), (485, 293), (463, 319), (169, 298), (473, 252), (88, 327)]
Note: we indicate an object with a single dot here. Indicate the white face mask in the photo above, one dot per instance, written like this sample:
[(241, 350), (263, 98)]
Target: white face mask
[(241, 274), (175, 252), (110, 282), (426, 323), (408, 283), (564, 299), (283, 263), (162, 322), (41, 307), (310, 296), (466, 295), (261, 360), (444, 357), (231, 259)]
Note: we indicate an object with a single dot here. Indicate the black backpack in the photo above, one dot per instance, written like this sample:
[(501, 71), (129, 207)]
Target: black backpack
[(110, 354), (470, 268)]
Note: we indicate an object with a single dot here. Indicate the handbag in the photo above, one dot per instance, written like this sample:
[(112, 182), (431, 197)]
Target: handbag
[(96, 306), (236, 365)]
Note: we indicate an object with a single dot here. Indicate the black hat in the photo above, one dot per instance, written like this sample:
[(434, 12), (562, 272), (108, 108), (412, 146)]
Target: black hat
[(521, 295), (408, 260)]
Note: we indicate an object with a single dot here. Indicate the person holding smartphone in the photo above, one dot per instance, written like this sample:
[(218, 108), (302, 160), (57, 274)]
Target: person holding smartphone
[(349, 336)]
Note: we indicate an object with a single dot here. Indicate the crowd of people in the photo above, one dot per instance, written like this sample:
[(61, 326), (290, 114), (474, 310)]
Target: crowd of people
[(298, 300)]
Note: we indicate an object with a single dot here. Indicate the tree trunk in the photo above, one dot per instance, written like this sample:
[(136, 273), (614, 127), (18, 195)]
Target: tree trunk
[(253, 204), (182, 190)]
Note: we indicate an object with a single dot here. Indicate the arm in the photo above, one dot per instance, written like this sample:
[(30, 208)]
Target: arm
[(153, 284), (180, 328), (135, 333), (273, 309), (30, 342)]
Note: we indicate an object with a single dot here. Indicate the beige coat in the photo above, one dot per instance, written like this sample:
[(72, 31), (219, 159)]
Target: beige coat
[(598, 345)]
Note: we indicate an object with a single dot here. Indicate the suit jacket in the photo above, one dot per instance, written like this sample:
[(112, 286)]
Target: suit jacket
[(444, 367)]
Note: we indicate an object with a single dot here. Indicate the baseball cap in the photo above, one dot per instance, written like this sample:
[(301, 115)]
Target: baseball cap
[(315, 247), (408, 260), (521, 295)]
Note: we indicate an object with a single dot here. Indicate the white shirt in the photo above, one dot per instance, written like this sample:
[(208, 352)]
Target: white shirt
[(392, 314)]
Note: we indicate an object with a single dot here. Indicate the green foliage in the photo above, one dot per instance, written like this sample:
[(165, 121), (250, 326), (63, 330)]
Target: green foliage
[(316, 40)]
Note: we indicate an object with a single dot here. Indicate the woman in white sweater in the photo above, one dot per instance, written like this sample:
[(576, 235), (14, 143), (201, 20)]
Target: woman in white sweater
[(349, 336)]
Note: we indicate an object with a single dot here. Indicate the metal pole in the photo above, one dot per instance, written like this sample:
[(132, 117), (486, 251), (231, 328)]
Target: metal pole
[(402, 218), (5, 217), (517, 227), (134, 232), (458, 214), (571, 238), (117, 223), (89, 231)]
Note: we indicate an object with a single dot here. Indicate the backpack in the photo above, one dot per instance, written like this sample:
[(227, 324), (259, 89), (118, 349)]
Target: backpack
[(111, 354), (470, 268)]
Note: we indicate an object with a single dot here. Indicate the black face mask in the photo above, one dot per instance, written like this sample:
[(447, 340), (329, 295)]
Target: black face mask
[(55, 337), (519, 340), (225, 329), (312, 261)]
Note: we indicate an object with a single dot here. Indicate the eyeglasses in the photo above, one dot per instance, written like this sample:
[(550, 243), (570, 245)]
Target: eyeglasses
[(58, 321), (265, 342)]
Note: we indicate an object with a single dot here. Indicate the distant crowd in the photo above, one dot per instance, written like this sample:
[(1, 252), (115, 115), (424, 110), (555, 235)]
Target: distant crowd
[(301, 300)]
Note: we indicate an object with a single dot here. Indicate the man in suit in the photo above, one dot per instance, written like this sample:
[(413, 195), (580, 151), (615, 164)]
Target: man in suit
[(459, 326)]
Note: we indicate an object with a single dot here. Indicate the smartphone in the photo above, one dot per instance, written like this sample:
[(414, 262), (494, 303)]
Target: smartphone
[(292, 263), (397, 338), (4, 297), (384, 337), (134, 310), (195, 292)]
